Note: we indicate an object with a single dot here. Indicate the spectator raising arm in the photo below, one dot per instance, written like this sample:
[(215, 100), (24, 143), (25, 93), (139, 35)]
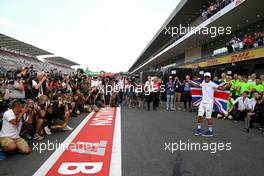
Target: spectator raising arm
[(195, 84), (37, 86)]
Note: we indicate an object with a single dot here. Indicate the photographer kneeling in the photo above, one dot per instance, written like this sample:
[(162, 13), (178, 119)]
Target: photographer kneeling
[(12, 123), (57, 116)]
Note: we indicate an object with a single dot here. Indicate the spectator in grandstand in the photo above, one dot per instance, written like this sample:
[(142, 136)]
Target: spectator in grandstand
[(169, 94), (204, 15), (13, 120), (210, 10), (236, 43), (258, 39), (178, 93), (221, 4), (248, 41), (187, 97), (226, 2), (215, 7), (229, 47)]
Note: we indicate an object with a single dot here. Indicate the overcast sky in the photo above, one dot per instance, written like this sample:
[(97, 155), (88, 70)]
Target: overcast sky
[(100, 34)]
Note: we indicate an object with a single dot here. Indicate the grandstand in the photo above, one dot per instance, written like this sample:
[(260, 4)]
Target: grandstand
[(15, 54), (60, 63), (195, 50)]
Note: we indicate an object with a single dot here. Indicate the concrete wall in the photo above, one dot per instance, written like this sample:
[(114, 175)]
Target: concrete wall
[(193, 54)]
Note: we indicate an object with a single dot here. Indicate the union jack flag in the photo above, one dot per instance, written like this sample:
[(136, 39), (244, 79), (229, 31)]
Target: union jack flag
[(221, 97)]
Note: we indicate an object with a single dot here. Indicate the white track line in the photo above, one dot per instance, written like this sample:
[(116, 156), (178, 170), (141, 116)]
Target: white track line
[(55, 155), (116, 161)]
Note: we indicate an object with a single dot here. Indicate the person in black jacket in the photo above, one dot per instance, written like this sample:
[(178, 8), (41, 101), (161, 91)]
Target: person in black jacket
[(257, 115)]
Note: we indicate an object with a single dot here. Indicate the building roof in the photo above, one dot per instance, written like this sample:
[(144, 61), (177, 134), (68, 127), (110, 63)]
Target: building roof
[(60, 60), (18, 46), (185, 12)]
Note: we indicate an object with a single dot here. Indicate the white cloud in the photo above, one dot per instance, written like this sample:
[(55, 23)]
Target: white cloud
[(102, 34), (5, 22)]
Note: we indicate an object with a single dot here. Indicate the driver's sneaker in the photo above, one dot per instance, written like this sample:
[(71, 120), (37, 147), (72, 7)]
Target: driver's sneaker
[(67, 128), (47, 130), (208, 134), (198, 132)]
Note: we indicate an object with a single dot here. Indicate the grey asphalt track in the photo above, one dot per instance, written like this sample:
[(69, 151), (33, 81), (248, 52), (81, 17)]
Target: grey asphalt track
[(144, 135)]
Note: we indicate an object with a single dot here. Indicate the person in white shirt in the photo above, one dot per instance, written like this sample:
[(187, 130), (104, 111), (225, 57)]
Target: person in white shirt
[(38, 84), (207, 103), (12, 124), (243, 105), (148, 88)]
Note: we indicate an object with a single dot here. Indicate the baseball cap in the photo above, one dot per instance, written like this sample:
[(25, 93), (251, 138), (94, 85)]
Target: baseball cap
[(207, 74)]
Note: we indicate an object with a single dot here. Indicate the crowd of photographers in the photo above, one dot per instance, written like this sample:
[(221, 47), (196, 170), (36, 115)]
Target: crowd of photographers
[(34, 104)]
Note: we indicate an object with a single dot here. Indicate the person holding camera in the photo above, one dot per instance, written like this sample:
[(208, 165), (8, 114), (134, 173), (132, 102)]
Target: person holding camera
[(177, 93), (89, 100), (77, 104), (99, 100), (57, 115), (41, 108), (13, 119), (28, 127), (38, 85)]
